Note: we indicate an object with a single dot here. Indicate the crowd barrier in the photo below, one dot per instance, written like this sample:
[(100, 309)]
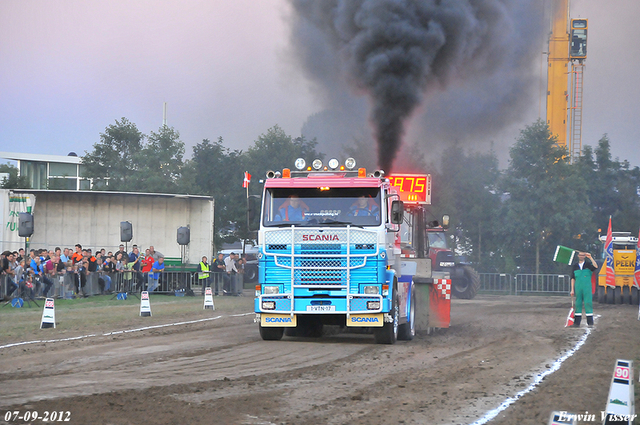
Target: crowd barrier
[(523, 284), (96, 283), (220, 284)]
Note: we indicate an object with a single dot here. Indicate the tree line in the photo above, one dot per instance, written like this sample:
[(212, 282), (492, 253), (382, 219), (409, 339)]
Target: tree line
[(507, 221)]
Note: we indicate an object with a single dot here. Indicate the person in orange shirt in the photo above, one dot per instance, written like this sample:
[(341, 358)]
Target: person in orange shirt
[(77, 256)]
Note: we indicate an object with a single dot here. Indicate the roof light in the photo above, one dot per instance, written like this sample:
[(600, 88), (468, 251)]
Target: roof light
[(300, 163), (317, 164), (286, 173), (350, 163), (362, 172), (333, 163)]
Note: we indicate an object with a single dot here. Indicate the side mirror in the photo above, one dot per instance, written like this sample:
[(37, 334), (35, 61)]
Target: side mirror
[(397, 212)]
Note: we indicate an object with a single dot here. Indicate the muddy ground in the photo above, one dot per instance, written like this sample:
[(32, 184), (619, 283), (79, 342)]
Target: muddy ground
[(221, 372)]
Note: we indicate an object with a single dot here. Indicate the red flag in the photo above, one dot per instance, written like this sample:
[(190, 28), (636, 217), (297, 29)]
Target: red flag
[(570, 318), (247, 179), (608, 248), (636, 274)]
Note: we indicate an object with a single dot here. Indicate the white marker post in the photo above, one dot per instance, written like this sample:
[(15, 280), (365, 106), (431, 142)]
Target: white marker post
[(48, 314), (145, 307), (208, 299), (620, 404)]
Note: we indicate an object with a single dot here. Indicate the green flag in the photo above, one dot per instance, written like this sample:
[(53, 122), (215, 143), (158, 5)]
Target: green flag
[(564, 255)]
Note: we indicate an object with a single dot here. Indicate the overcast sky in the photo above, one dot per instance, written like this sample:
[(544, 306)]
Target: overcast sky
[(70, 68)]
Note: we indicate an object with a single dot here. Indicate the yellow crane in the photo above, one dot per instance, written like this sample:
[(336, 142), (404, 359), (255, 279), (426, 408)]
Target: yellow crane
[(567, 53)]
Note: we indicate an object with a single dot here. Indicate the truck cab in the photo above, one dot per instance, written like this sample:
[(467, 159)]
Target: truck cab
[(329, 253)]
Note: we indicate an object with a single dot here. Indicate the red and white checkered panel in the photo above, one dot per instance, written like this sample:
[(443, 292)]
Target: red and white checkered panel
[(144, 295), (48, 303), (443, 287)]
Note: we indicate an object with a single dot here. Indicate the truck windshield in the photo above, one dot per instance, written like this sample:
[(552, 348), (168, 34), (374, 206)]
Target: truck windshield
[(437, 240), (322, 207)]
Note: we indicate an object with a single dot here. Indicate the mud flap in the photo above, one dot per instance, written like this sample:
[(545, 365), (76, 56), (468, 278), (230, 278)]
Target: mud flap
[(433, 304)]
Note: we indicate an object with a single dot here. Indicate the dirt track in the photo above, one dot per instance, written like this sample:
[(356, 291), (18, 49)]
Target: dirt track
[(222, 372)]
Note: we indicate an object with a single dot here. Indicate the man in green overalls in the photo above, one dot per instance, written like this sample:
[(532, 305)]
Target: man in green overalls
[(581, 287)]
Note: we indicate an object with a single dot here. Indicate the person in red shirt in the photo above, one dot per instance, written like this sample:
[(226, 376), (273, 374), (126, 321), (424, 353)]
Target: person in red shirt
[(147, 264)]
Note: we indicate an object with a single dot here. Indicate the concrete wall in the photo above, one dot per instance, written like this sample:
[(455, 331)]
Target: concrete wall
[(64, 218)]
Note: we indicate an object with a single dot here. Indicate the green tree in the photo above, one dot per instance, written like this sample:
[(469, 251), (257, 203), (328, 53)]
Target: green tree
[(276, 150), (113, 162), (547, 203), (12, 181), (160, 162), (465, 188), (217, 171), (612, 189)]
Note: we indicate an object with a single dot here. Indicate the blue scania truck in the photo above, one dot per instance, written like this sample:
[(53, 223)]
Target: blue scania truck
[(330, 254)]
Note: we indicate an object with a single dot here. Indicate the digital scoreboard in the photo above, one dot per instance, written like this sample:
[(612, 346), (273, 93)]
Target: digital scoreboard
[(414, 188)]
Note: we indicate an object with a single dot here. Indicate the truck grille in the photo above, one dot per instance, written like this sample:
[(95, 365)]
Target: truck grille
[(289, 253)]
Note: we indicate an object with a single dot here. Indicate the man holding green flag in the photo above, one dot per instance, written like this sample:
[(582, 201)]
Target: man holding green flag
[(581, 286)]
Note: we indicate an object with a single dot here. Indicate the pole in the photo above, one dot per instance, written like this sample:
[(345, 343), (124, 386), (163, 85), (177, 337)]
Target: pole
[(244, 245)]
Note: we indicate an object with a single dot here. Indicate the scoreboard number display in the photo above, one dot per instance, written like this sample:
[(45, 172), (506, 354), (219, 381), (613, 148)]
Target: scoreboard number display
[(415, 189)]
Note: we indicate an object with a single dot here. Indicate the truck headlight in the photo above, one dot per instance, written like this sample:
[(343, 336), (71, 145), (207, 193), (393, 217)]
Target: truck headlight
[(373, 305), (372, 289), (271, 290), (268, 305)]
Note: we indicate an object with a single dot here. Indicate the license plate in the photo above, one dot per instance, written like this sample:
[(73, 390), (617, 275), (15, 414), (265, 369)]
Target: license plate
[(322, 308)]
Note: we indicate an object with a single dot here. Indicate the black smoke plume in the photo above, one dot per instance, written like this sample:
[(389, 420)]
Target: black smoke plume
[(398, 51)]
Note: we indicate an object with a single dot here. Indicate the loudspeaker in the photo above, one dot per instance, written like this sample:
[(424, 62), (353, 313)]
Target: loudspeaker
[(126, 231), (184, 235), (25, 225)]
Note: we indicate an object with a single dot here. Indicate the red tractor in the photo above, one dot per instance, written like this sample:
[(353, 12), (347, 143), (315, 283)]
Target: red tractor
[(421, 238), (465, 281)]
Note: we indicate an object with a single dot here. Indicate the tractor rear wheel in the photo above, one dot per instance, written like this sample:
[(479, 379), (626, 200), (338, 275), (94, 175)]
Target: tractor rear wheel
[(609, 295), (466, 286), (601, 296), (617, 295), (626, 295)]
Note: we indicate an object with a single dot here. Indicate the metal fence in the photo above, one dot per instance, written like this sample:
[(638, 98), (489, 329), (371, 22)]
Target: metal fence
[(523, 284), (496, 283), (71, 285)]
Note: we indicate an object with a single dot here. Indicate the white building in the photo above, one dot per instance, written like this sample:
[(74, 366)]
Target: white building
[(51, 171)]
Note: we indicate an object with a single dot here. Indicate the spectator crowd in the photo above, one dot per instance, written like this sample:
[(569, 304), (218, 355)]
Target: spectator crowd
[(80, 272)]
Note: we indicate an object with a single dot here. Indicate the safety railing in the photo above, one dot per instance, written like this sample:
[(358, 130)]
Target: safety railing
[(524, 284), (220, 283), (496, 283), (550, 284)]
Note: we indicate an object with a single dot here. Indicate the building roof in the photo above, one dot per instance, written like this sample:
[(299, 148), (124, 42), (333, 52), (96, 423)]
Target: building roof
[(41, 157), (107, 192)]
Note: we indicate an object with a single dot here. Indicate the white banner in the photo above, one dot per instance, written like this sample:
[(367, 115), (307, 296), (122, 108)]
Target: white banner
[(12, 205)]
